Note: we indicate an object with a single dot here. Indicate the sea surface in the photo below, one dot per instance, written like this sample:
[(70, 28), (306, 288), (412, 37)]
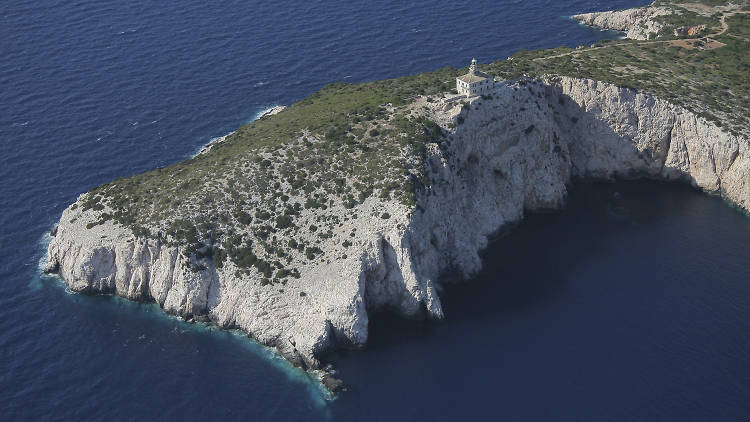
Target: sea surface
[(631, 304)]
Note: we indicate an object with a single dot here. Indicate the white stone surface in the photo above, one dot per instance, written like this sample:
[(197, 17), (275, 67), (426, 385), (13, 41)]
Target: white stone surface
[(513, 153), (637, 23)]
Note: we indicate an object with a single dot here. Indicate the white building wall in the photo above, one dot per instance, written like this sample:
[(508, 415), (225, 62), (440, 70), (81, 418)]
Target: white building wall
[(476, 88)]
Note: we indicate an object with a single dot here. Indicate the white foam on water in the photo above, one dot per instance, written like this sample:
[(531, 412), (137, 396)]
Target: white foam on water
[(36, 281), (256, 116), (311, 381), (319, 394), (210, 141), (43, 244), (262, 112)]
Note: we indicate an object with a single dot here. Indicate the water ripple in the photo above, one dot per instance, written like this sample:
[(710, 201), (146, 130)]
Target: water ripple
[(95, 90)]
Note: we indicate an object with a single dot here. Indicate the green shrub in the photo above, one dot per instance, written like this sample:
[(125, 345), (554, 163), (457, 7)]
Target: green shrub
[(243, 217), (283, 221), (219, 257), (312, 203), (311, 252), (244, 257), (262, 215)]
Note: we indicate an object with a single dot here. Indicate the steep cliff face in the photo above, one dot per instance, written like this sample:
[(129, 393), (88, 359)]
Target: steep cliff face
[(669, 141), (520, 150), (502, 156)]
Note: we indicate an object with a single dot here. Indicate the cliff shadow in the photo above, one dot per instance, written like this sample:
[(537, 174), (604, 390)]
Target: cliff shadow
[(530, 266)]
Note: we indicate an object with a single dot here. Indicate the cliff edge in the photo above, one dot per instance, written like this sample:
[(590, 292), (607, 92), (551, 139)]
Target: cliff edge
[(486, 162), (299, 226)]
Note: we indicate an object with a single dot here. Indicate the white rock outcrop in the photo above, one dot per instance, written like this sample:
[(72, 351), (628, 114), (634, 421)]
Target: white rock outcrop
[(637, 23), (215, 141), (515, 152)]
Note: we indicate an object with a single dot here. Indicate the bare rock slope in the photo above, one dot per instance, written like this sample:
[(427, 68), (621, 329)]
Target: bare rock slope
[(637, 23), (499, 158)]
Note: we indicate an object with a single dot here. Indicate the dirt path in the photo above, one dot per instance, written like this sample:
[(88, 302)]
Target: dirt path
[(596, 48), (686, 43), (724, 24)]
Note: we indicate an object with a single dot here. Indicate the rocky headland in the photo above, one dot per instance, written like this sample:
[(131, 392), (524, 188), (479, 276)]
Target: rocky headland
[(665, 19), (637, 23), (298, 236)]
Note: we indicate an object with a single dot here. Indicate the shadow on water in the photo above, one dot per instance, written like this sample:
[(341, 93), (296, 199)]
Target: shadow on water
[(530, 265), (634, 281), (102, 90)]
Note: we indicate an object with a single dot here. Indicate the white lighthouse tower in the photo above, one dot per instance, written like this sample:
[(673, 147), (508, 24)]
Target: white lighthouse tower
[(475, 82)]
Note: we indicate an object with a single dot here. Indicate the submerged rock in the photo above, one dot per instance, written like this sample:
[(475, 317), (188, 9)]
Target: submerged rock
[(334, 385), (51, 268)]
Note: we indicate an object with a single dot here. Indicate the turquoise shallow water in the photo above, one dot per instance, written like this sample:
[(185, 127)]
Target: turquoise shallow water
[(92, 91)]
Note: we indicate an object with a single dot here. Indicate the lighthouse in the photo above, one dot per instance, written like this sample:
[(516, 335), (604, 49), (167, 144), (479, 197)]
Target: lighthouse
[(475, 82)]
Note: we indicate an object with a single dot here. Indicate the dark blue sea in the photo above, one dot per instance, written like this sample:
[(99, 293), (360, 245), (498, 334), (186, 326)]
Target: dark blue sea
[(631, 304)]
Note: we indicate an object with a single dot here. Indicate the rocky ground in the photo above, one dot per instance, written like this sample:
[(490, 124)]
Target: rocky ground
[(665, 19), (637, 23), (494, 159)]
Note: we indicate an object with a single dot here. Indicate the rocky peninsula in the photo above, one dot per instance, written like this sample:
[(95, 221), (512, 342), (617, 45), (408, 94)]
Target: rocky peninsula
[(637, 24), (298, 227)]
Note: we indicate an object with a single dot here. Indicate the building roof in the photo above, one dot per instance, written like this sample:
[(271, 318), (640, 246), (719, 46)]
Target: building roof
[(471, 78)]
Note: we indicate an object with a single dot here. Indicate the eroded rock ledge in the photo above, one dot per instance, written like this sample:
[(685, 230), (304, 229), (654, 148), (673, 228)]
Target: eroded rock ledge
[(501, 157)]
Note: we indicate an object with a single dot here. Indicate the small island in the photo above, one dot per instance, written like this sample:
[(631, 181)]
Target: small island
[(300, 225)]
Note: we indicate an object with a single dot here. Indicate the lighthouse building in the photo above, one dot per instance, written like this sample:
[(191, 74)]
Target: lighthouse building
[(475, 82)]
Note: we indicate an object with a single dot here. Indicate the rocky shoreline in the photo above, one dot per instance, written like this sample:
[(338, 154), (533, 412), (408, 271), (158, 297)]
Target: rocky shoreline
[(270, 112), (637, 23), (501, 157)]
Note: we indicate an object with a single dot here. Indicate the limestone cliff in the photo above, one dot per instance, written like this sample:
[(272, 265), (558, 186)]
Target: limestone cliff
[(499, 158), (636, 23)]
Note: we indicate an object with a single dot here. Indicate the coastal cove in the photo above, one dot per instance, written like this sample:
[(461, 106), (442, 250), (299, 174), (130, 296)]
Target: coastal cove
[(641, 282), (630, 304)]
